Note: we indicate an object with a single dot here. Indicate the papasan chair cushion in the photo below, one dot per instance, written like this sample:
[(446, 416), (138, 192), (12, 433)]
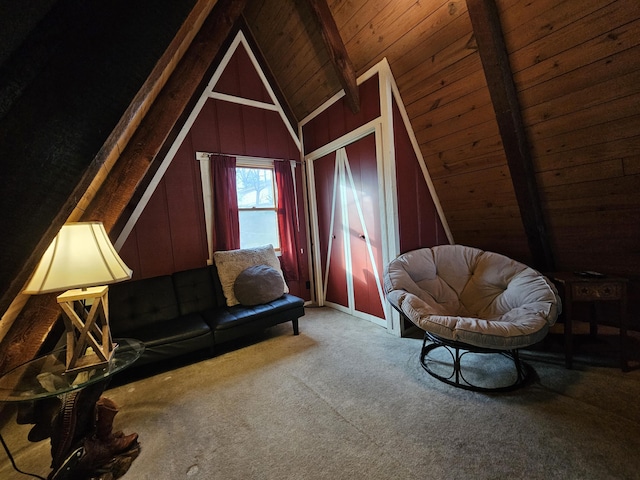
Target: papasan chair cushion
[(467, 295)]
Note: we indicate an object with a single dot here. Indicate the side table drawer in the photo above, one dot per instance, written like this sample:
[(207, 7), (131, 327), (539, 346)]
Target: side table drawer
[(596, 291)]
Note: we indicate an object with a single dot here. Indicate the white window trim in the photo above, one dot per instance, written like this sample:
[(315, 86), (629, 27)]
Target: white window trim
[(207, 188)]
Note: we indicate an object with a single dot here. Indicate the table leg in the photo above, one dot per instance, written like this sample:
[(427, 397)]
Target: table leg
[(568, 336), (593, 319), (623, 332)]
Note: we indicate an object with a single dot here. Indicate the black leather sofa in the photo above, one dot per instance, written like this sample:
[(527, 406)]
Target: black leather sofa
[(186, 312)]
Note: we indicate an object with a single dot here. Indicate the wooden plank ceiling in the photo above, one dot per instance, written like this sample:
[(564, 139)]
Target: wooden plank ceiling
[(575, 70)]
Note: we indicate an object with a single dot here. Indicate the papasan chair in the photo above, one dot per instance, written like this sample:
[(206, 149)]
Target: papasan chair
[(470, 301)]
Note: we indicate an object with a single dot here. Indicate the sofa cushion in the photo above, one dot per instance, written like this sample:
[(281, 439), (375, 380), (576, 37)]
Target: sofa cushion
[(217, 286), (258, 284), (181, 328), (194, 290), (231, 263), (239, 315), (172, 338), (141, 303)]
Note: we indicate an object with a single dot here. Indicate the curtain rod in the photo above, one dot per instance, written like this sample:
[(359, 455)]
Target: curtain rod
[(250, 157)]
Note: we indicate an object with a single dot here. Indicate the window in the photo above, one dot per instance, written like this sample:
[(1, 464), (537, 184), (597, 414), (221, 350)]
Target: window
[(257, 210)]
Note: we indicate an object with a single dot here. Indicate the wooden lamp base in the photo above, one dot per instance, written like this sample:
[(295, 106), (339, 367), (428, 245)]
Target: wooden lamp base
[(86, 319)]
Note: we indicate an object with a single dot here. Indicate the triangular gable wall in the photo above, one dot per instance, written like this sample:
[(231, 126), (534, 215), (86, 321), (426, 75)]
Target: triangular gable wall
[(399, 133), (423, 223), (237, 114), (408, 212), (240, 81), (398, 139)]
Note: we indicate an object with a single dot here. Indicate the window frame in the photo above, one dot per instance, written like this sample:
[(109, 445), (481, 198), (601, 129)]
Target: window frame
[(265, 164)]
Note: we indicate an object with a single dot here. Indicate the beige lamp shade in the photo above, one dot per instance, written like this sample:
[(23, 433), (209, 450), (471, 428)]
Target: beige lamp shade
[(80, 256)]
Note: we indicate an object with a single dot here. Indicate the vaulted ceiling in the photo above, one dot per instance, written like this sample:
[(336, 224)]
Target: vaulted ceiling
[(530, 149)]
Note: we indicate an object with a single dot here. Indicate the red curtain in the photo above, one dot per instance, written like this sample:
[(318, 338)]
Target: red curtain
[(287, 221), (226, 226)]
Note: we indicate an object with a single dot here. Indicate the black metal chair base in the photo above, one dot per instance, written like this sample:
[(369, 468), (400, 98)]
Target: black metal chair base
[(524, 372)]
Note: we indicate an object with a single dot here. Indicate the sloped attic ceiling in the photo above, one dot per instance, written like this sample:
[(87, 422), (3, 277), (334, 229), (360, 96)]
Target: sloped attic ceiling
[(575, 65), (575, 68)]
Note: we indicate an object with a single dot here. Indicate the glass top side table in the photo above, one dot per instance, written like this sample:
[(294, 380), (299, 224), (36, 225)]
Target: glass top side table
[(45, 376)]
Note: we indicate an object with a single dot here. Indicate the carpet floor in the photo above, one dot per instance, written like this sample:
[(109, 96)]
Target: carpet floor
[(347, 400)]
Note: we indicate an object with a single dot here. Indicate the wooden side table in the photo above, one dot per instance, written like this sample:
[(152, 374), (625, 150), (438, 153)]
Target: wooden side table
[(592, 288)]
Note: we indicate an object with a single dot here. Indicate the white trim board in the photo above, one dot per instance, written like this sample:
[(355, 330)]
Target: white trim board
[(416, 149)]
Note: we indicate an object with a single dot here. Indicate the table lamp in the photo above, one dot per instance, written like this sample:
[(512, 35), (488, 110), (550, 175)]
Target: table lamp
[(79, 258)]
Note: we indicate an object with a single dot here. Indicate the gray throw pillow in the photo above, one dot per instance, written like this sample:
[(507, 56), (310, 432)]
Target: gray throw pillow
[(258, 284), (231, 262)]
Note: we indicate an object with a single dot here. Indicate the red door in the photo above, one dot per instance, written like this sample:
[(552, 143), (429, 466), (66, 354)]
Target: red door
[(364, 225), (331, 231), (349, 228)]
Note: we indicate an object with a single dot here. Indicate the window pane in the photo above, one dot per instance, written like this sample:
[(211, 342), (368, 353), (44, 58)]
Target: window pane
[(258, 227), (255, 187)]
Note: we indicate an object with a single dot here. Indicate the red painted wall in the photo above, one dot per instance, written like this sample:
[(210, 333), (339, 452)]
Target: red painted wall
[(418, 220), (240, 79), (170, 234), (338, 120), (419, 223), (233, 129)]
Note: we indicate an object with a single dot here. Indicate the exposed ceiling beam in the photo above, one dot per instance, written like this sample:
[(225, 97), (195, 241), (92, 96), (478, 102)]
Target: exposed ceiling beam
[(27, 333), (495, 62), (101, 164), (337, 52), (75, 178)]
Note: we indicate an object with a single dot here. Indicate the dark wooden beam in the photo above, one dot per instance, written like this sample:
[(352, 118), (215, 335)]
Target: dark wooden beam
[(495, 62), (75, 159), (337, 52), (36, 320), (111, 148)]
